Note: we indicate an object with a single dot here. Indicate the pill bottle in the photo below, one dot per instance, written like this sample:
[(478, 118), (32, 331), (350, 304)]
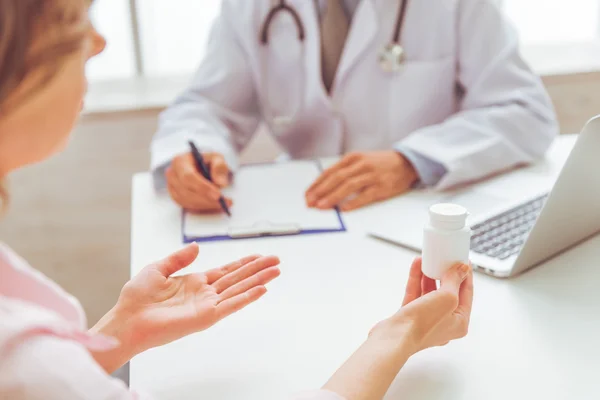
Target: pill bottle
[(446, 239)]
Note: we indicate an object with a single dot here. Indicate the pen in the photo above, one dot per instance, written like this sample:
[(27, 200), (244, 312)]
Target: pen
[(203, 169)]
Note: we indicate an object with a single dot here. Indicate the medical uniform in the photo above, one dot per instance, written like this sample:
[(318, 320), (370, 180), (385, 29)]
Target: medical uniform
[(464, 104)]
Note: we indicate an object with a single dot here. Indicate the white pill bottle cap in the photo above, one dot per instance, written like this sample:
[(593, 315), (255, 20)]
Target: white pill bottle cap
[(448, 216)]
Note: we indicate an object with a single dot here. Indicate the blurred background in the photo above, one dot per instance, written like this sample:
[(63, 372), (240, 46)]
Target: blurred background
[(70, 216)]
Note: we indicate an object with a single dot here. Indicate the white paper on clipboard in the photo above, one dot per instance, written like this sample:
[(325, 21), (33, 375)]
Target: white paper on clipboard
[(268, 199)]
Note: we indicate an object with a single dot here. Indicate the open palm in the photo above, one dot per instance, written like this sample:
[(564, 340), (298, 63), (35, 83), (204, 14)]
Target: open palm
[(161, 308)]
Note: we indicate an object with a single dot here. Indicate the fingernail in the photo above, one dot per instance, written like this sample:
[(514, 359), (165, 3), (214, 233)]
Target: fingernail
[(322, 204), (464, 271), (310, 199)]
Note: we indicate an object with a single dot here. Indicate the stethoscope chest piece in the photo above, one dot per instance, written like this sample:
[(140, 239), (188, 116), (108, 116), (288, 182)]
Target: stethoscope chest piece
[(391, 58)]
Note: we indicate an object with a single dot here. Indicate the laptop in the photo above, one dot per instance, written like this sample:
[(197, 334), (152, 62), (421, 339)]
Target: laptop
[(524, 233)]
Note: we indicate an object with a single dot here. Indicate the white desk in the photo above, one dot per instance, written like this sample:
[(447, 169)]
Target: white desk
[(533, 337)]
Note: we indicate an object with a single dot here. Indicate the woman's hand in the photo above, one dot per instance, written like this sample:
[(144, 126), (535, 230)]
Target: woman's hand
[(430, 316), (155, 308)]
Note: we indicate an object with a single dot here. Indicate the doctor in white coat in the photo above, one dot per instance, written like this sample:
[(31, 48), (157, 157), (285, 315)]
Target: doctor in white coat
[(429, 92)]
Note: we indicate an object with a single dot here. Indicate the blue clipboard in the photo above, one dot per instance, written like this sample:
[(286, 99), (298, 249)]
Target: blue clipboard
[(265, 228)]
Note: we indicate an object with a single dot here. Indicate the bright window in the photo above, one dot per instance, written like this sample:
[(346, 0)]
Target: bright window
[(554, 21), (173, 33), (113, 19)]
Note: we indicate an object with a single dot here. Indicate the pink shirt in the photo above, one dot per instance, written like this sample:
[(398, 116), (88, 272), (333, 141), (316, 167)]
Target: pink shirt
[(44, 342)]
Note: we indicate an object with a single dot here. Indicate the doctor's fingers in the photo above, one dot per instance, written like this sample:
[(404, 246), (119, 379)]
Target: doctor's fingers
[(343, 163), (183, 173), (332, 180), (367, 196), (178, 195), (192, 201), (175, 195), (348, 187), (179, 188), (219, 171)]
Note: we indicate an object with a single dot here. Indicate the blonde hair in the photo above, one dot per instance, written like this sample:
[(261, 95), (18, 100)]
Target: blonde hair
[(35, 34)]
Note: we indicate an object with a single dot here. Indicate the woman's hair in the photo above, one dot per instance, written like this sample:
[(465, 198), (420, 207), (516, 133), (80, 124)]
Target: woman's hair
[(35, 36)]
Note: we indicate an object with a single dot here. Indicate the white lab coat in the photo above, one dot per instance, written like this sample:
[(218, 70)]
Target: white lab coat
[(464, 99)]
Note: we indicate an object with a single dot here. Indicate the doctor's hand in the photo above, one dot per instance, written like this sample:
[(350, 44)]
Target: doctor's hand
[(190, 189), (430, 316), (156, 308), (360, 179)]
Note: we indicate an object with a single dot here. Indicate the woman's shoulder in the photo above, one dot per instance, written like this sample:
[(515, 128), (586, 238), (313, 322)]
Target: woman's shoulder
[(20, 317), (23, 284)]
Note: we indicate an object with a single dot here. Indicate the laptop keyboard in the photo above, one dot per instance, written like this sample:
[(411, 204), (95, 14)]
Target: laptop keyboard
[(502, 236)]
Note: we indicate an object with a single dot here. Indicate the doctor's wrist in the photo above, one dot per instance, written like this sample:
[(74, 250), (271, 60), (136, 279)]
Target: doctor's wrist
[(408, 170)]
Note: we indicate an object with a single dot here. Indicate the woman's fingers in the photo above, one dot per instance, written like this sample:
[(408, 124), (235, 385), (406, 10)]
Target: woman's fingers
[(260, 279), (428, 285), (236, 303), (454, 277), (447, 297), (465, 302), (244, 272), (178, 260), (413, 286), (215, 274)]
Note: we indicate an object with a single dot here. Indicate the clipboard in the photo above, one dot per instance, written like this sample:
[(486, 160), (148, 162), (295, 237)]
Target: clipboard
[(268, 202)]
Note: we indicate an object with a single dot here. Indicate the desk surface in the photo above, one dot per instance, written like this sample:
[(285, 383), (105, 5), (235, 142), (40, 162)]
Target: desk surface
[(533, 337)]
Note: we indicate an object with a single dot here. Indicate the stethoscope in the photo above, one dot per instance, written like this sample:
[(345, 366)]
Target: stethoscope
[(391, 57)]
